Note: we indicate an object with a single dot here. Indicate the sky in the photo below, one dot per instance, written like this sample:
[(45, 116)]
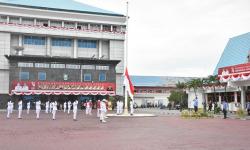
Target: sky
[(179, 37)]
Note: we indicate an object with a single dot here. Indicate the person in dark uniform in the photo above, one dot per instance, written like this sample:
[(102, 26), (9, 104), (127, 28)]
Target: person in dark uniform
[(225, 108)]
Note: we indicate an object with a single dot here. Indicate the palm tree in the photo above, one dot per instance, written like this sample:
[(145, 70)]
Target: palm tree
[(213, 81), (181, 86)]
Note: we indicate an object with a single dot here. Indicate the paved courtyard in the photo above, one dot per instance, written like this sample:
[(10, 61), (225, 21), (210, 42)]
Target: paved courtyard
[(148, 133)]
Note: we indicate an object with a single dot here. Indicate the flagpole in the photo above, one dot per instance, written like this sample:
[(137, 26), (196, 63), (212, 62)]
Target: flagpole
[(126, 63)]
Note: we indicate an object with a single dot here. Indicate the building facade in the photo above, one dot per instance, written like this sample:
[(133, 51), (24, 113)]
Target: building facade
[(233, 70), (154, 91), (71, 49)]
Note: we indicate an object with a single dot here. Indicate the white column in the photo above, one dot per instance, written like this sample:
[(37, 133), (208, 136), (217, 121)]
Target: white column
[(48, 46), (8, 19), (219, 99), (20, 40), (76, 24), (48, 23), (101, 27), (75, 48), (100, 49), (235, 97), (62, 23), (243, 97), (35, 21), (89, 26), (111, 28), (20, 20)]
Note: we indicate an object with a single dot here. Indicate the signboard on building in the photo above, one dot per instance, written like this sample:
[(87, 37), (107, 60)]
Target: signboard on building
[(234, 73), (57, 88)]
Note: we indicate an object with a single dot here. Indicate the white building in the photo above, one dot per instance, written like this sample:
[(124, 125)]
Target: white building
[(59, 29)]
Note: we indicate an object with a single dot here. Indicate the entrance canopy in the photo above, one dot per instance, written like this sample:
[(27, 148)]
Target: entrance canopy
[(234, 73)]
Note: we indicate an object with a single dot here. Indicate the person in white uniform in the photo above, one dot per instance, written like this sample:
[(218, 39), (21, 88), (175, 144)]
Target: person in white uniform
[(64, 106), (20, 108), (28, 107), (121, 107), (38, 109), (47, 107), (98, 108), (75, 103), (131, 107), (50, 107), (69, 106), (103, 110), (54, 104), (118, 107), (87, 108), (9, 105)]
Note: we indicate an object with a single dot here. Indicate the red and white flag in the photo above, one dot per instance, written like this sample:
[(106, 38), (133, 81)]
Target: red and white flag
[(129, 85)]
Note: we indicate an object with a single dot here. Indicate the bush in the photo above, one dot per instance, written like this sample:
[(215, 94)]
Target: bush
[(217, 110), (241, 113), (196, 115)]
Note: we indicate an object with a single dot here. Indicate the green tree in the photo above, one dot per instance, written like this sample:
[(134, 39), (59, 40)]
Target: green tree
[(175, 96), (181, 86)]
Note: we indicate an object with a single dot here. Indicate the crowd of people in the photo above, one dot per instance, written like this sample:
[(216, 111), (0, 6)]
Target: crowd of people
[(52, 106)]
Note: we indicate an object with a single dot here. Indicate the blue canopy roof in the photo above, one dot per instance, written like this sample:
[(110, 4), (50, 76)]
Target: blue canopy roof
[(63, 5), (235, 52), (157, 81)]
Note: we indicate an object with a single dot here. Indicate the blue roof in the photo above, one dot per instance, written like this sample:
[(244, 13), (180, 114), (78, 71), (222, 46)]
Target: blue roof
[(235, 52), (63, 5), (158, 81)]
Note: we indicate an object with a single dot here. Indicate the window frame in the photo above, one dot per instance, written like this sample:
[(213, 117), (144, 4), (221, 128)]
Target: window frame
[(38, 76)]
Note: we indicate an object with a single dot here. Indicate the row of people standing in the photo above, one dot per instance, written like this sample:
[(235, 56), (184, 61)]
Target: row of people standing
[(52, 108)]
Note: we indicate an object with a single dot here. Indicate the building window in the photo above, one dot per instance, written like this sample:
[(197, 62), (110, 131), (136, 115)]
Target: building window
[(3, 18), (41, 76), (89, 67), (28, 21), (24, 64), (34, 40), (14, 20), (70, 66), (87, 77), (24, 75), (87, 44), (57, 65), (102, 77), (41, 65), (41, 22), (61, 42), (102, 67), (55, 23)]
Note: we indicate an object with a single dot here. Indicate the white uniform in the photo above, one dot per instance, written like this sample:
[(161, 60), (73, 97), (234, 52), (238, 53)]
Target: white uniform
[(75, 109), (69, 106), (131, 107), (38, 109), (118, 107), (54, 104), (20, 108), (103, 111), (89, 108), (9, 109), (50, 107), (98, 108), (64, 106), (121, 107), (47, 107), (28, 107)]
